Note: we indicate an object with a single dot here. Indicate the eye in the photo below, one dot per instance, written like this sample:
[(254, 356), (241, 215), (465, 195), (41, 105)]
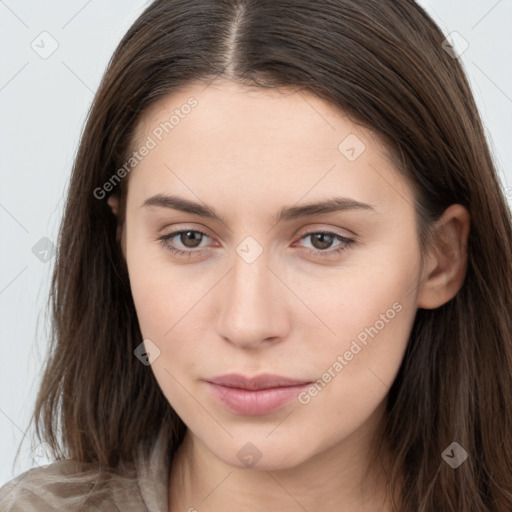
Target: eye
[(322, 240), (192, 238)]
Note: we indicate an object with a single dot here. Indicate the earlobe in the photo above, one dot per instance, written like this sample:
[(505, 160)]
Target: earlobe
[(445, 270)]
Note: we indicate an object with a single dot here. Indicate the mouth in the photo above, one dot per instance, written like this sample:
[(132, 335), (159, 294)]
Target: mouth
[(257, 395)]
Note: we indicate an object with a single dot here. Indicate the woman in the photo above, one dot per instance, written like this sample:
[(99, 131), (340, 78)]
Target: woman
[(283, 279)]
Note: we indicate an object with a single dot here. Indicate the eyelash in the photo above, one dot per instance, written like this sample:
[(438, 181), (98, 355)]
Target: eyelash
[(317, 253)]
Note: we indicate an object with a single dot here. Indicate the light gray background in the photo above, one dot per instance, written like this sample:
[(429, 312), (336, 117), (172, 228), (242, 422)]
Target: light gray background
[(43, 105)]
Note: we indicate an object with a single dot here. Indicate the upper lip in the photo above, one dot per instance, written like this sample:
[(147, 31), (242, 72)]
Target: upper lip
[(264, 381)]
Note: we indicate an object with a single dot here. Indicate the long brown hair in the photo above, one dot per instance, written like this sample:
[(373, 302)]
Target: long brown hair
[(382, 62)]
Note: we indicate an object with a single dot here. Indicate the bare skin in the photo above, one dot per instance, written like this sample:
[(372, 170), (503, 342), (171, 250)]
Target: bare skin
[(294, 309)]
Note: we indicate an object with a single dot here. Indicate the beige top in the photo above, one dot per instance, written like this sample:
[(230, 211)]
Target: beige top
[(141, 487)]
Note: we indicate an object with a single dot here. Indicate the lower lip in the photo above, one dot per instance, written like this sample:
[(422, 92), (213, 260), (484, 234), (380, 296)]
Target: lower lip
[(253, 403)]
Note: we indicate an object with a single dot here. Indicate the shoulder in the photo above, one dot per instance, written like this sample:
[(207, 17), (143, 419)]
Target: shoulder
[(67, 485)]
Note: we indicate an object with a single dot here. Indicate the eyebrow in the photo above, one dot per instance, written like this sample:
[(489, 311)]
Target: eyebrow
[(285, 214)]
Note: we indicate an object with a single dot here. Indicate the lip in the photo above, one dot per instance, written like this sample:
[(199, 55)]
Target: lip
[(256, 395)]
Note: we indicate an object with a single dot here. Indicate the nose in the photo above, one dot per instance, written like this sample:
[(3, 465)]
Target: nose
[(251, 303)]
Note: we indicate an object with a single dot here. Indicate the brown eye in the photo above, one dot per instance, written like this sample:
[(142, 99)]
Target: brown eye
[(186, 243), (321, 240), (191, 239)]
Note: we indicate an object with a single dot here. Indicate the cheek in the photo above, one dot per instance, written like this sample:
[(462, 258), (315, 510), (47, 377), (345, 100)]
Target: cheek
[(357, 366), (369, 310), (373, 288), (166, 299), (162, 305), (152, 301), (156, 292)]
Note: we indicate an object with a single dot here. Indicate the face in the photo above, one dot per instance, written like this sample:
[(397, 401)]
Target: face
[(321, 295)]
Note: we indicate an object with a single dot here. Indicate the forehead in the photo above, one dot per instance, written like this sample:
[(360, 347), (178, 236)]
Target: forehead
[(286, 116), (245, 140)]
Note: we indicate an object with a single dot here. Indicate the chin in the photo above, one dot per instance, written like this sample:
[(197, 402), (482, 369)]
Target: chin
[(263, 454)]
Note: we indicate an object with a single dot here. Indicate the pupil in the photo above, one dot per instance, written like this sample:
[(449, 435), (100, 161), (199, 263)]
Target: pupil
[(190, 236), (319, 237)]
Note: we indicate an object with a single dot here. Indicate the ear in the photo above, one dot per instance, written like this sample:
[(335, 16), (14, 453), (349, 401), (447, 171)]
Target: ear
[(445, 265), (113, 201)]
